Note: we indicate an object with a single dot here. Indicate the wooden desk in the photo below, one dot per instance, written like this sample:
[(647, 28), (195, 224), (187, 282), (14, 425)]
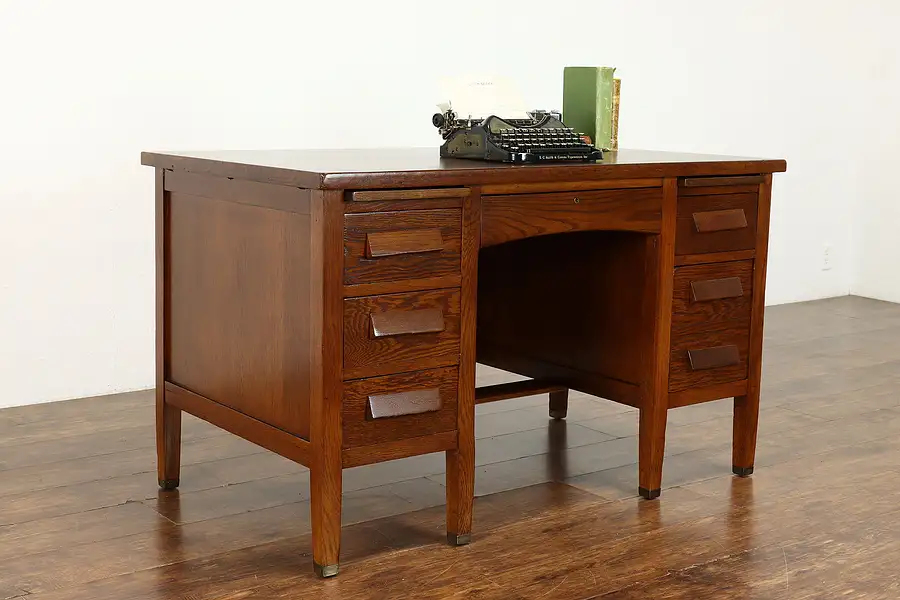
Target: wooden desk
[(331, 305)]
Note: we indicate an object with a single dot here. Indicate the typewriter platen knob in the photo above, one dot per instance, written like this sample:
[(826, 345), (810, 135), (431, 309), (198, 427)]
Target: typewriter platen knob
[(438, 120)]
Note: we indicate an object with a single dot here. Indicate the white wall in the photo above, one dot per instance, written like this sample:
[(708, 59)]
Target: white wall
[(876, 201), (85, 86)]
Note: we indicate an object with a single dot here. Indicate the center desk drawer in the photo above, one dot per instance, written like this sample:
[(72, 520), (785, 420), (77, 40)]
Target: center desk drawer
[(394, 333), (390, 246), (386, 409)]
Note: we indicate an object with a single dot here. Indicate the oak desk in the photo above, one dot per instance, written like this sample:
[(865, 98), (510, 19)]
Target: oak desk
[(331, 305)]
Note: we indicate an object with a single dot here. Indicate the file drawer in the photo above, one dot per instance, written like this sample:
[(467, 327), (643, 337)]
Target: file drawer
[(393, 333), (716, 223), (389, 246), (396, 407)]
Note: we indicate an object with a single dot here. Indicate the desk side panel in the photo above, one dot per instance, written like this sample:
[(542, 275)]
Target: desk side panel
[(239, 306)]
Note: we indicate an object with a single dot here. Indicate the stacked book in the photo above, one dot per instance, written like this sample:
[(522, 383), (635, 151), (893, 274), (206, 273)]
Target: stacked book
[(591, 104)]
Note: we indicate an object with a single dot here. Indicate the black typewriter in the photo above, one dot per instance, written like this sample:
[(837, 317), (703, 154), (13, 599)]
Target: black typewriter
[(542, 138)]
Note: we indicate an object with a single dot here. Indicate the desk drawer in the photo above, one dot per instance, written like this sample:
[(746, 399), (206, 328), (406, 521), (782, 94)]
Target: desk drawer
[(397, 407), (716, 223), (389, 246), (394, 333), (710, 355), (711, 293)]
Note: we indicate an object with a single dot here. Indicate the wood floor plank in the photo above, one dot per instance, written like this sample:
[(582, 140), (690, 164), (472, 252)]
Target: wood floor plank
[(81, 516), (143, 460)]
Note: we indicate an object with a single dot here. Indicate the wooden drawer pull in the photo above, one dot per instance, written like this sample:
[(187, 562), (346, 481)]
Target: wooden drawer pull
[(711, 358), (716, 289), (403, 403), (720, 220), (403, 322), (413, 241)]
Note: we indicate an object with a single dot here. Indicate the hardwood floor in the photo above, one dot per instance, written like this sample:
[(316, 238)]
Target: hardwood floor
[(557, 514)]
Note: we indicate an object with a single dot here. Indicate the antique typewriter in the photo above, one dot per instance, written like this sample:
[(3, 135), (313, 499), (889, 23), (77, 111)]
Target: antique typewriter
[(543, 137)]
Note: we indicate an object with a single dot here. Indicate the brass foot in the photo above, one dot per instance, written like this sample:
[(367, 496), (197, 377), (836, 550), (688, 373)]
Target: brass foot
[(649, 494), (459, 539), (742, 471), (168, 484), (325, 570)]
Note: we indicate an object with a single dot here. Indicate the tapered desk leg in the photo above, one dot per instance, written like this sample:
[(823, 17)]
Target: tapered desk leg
[(168, 443), (746, 422), (559, 404), (746, 408), (461, 461), (168, 417), (326, 390), (660, 253), (325, 507)]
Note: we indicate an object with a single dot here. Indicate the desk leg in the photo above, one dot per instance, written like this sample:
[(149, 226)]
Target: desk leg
[(658, 310), (461, 461), (746, 422), (746, 408), (326, 389), (325, 507), (168, 442), (559, 404), (168, 417)]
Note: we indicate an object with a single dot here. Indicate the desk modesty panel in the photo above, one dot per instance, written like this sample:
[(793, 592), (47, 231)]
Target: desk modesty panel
[(331, 305)]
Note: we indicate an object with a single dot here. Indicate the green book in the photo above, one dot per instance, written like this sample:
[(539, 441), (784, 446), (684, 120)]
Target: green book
[(588, 102)]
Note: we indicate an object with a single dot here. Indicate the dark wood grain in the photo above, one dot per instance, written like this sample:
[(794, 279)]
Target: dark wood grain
[(262, 434), (404, 285), (723, 237), (460, 460), (725, 333), (656, 307), (360, 268), (401, 205), (731, 280), (423, 167), (515, 389), (401, 448), (706, 290), (403, 396), (712, 257), (719, 181), (366, 355), (266, 195), (705, 394), (720, 220), (513, 217), (535, 306), (326, 387), (554, 186), (717, 190), (559, 403), (168, 417), (713, 357), (746, 407), (382, 195), (394, 243), (239, 323), (407, 322)]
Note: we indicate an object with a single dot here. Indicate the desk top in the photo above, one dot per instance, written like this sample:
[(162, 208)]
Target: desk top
[(421, 167)]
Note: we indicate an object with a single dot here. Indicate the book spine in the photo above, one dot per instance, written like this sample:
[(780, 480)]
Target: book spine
[(605, 88), (614, 137)]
